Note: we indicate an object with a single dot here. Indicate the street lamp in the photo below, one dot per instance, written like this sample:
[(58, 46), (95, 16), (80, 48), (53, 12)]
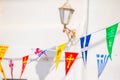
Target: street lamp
[(66, 12)]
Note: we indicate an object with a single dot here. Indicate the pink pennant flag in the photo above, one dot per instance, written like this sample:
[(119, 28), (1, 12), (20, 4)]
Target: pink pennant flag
[(38, 52), (11, 64)]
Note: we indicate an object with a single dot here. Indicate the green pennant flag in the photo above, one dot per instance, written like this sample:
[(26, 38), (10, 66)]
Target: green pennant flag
[(110, 35)]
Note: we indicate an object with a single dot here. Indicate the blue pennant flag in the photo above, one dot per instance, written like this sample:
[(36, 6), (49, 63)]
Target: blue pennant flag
[(84, 42), (102, 60)]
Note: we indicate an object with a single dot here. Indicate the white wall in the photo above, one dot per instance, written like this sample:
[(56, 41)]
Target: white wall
[(27, 24), (102, 14)]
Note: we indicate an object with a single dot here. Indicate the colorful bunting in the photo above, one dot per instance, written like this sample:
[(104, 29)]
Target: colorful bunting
[(70, 57), (110, 35), (11, 64), (38, 52), (2, 71), (101, 62), (36, 58), (3, 49), (84, 42), (43, 52), (24, 62), (59, 53)]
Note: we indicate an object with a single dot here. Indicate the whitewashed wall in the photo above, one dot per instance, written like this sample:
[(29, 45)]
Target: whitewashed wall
[(27, 24)]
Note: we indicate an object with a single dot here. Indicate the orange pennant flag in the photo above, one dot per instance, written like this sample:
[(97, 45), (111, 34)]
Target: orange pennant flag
[(2, 71), (24, 62), (59, 50), (70, 57), (3, 50)]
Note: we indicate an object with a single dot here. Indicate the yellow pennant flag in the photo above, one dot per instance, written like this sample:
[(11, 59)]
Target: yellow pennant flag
[(59, 50), (2, 71), (3, 50)]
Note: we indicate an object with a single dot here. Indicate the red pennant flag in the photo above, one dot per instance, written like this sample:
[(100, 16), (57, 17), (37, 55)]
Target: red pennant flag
[(24, 62), (69, 60)]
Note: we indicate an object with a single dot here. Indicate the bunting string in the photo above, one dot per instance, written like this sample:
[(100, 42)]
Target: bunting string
[(76, 42), (69, 57), (6, 58)]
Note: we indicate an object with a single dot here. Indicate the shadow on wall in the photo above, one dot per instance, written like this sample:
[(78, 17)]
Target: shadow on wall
[(42, 69), (44, 64)]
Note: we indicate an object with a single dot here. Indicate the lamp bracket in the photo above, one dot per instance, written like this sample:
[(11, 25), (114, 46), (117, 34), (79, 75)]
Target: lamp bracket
[(71, 34)]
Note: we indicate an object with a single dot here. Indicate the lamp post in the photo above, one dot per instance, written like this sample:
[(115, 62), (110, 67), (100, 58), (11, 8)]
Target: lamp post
[(66, 12)]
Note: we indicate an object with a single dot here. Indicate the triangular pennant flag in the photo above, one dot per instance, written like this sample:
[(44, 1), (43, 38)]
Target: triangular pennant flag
[(3, 49), (110, 35), (36, 58), (2, 71), (84, 42), (39, 52), (24, 62), (101, 62), (59, 53), (11, 64), (70, 57), (42, 52)]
